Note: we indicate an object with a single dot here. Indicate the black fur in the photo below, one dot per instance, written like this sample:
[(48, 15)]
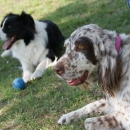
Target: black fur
[(88, 49), (55, 38), (23, 27)]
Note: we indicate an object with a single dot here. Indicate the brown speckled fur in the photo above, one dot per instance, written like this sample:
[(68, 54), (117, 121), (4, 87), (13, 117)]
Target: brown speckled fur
[(97, 54)]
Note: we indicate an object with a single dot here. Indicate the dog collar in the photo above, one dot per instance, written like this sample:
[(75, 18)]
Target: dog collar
[(118, 43)]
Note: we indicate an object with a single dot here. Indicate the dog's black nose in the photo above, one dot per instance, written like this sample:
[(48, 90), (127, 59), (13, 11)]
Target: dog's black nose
[(59, 68)]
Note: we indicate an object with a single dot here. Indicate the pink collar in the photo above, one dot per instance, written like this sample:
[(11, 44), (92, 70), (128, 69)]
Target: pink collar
[(118, 43)]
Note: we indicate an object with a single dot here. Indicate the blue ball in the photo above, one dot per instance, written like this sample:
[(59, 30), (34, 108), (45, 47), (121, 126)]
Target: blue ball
[(18, 83)]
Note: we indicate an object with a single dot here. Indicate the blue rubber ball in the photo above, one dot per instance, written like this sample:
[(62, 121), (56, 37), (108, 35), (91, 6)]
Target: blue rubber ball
[(18, 83)]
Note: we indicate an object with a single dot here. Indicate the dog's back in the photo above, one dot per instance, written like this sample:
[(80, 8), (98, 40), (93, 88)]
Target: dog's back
[(55, 39)]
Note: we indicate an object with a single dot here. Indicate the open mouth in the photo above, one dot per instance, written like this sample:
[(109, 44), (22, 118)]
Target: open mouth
[(8, 43), (79, 80)]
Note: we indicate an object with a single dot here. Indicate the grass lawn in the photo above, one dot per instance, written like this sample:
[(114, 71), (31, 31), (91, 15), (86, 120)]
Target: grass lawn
[(40, 105)]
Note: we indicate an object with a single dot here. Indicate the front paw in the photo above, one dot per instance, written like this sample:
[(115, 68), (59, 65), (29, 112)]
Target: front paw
[(64, 119), (6, 53), (3, 55), (89, 124), (26, 78), (36, 75)]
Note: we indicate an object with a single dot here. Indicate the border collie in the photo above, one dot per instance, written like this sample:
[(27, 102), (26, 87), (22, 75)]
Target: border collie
[(36, 44)]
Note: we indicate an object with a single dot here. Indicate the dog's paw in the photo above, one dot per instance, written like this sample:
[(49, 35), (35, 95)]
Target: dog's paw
[(3, 55), (6, 53), (90, 124), (36, 75), (26, 79), (64, 119)]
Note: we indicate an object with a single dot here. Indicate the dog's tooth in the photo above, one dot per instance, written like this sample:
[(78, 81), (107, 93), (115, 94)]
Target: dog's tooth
[(12, 38)]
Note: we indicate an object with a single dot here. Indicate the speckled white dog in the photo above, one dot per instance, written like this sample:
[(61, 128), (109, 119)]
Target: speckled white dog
[(93, 54)]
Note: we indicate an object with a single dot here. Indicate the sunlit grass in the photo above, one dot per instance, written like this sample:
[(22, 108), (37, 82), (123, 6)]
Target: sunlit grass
[(40, 105)]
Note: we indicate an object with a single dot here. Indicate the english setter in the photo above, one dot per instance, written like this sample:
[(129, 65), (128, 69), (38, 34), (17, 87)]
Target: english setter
[(93, 54)]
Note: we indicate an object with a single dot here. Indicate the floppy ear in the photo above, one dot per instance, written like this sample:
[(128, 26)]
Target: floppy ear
[(27, 20), (28, 27), (10, 14), (110, 70)]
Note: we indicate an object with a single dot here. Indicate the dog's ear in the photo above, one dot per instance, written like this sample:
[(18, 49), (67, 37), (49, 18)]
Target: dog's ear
[(28, 27), (110, 70), (10, 14), (27, 20)]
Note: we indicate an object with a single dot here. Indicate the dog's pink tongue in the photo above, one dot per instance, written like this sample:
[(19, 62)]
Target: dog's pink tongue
[(7, 44), (74, 82)]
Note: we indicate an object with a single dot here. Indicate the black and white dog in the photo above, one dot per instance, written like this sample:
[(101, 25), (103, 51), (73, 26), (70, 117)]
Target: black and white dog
[(34, 43)]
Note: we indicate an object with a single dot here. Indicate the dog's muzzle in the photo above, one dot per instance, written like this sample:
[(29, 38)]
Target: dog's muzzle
[(59, 68)]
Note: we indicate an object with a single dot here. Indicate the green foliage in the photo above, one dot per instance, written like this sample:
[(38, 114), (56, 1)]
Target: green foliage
[(40, 105)]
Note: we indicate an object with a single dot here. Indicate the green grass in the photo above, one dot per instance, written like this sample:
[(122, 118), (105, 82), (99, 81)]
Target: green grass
[(40, 105)]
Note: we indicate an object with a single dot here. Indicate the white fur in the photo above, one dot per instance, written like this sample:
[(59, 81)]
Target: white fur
[(31, 55), (115, 109), (2, 34)]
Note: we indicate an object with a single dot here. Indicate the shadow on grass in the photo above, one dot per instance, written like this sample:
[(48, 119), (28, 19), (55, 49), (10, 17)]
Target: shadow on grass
[(41, 103), (107, 14)]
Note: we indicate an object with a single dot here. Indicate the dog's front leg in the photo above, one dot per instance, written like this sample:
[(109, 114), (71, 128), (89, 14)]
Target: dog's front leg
[(27, 71), (113, 121), (6, 53), (40, 69), (92, 108)]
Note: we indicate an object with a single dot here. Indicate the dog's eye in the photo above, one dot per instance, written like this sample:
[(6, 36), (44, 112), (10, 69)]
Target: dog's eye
[(81, 47), (9, 26)]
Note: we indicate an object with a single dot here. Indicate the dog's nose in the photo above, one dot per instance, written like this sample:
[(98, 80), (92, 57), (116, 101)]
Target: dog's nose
[(59, 68)]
